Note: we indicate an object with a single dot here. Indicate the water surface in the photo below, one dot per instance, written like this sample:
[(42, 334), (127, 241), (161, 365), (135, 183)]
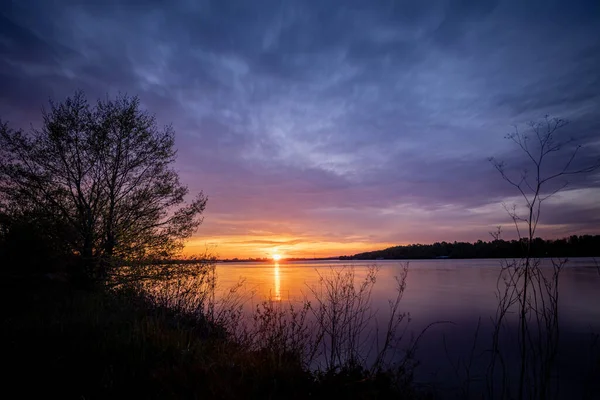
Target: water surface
[(462, 292)]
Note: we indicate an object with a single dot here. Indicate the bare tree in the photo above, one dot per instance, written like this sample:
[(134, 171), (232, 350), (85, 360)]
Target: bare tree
[(534, 293), (106, 171)]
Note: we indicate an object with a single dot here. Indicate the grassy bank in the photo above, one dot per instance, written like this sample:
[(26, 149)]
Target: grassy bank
[(69, 343)]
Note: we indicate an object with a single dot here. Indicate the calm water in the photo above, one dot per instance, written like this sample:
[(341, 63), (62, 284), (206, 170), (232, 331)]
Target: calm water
[(460, 291)]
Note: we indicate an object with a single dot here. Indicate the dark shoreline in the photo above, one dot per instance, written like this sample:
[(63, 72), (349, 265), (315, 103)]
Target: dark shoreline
[(66, 342)]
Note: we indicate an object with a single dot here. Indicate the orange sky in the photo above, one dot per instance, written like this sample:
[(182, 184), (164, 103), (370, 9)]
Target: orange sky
[(266, 246), (246, 235)]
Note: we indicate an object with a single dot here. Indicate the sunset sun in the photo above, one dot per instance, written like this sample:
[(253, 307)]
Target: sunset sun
[(276, 257)]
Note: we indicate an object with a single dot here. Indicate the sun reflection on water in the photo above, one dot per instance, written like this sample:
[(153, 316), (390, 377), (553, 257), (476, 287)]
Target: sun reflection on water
[(277, 281)]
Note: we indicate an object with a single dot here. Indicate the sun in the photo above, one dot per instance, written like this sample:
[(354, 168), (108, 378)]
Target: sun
[(276, 257)]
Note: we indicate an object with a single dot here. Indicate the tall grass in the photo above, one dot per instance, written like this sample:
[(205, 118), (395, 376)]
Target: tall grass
[(346, 331), (531, 292), (190, 290), (334, 329)]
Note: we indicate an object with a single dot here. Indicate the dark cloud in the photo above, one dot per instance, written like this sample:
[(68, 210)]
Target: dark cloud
[(328, 118)]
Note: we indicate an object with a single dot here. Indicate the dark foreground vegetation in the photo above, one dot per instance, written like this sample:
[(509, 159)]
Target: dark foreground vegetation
[(573, 246), (63, 342)]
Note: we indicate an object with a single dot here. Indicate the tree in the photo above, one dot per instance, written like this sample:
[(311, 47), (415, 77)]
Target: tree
[(526, 286), (106, 173)]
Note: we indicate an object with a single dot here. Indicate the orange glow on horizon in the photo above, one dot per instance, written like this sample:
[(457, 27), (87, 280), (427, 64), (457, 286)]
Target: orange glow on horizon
[(266, 246)]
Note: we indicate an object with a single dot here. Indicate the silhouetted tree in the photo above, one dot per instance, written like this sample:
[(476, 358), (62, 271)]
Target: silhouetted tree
[(106, 173)]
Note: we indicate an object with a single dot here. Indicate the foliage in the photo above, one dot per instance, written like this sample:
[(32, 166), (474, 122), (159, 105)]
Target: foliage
[(33, 241), (104, 174), (573, 246)]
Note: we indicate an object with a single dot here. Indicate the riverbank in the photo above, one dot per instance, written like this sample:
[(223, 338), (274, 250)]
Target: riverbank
[(90, 344)]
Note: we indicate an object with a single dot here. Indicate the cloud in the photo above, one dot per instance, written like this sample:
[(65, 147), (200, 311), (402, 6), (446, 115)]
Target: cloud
[(316, 119)]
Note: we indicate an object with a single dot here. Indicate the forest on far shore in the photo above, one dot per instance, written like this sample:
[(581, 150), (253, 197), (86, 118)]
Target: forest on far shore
[(573, 246)]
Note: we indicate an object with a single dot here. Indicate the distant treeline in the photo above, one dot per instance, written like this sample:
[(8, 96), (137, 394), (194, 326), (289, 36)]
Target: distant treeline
[(574, 246)]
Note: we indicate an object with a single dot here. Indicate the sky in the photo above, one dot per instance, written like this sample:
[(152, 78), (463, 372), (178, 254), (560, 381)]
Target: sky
[(330, 127)]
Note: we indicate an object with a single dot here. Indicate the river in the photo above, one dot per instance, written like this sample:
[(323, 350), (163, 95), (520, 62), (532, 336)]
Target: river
[(460, 292)]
